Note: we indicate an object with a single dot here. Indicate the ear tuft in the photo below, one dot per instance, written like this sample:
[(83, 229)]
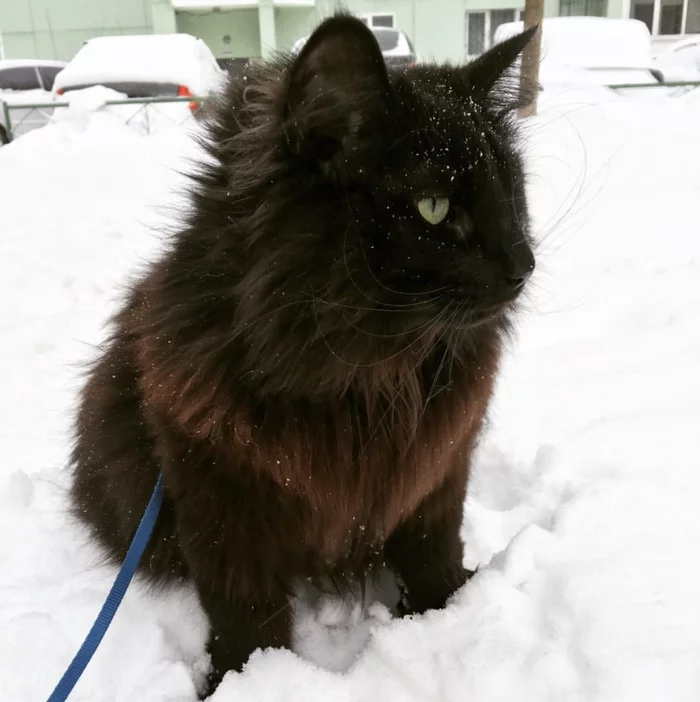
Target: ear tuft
[(484, 72)]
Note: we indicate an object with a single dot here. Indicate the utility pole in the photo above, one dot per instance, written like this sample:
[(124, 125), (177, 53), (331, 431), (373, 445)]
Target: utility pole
[(530, 68)]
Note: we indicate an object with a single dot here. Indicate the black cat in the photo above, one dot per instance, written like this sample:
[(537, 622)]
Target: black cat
[(310, 362)]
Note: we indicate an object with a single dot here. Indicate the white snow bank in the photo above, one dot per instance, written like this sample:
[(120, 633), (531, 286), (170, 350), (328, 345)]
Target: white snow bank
[(583, 507)]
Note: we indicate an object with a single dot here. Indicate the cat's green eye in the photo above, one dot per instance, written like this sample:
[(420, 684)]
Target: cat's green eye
[(434, 209)]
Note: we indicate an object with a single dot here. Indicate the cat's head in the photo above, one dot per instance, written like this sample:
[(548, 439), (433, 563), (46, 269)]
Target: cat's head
[(371, 214)]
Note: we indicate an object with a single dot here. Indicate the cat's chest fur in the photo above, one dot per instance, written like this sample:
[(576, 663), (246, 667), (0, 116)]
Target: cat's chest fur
[(355, 474)]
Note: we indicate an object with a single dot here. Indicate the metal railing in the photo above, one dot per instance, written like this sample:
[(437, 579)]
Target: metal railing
[(33, 115), (670, 84), (144, 115)]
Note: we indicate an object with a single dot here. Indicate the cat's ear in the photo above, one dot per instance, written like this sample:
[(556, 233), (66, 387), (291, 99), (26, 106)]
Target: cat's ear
[(484, 72), (337, 89)]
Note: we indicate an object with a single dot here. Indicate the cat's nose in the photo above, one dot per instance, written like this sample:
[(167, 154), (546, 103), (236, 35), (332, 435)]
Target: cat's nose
[(522, 264)]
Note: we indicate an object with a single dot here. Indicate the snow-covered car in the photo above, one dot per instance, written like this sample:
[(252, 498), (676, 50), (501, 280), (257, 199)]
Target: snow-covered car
[(24, 81), (591, 51), (395, 45), (681, 61), (142, 66)]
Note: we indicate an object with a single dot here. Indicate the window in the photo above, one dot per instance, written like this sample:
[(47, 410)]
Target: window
[(692, 20), (476, 30), (667, 16), (382, 19), (643, 11), (671, 19), (480, 28), (19, 78), (48, 75), (583, 8), (499, 17)]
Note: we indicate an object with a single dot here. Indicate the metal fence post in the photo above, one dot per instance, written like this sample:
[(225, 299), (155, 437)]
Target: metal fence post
[(8, 120)]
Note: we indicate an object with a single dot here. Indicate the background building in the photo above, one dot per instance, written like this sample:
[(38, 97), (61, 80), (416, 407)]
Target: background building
[(445, 30)]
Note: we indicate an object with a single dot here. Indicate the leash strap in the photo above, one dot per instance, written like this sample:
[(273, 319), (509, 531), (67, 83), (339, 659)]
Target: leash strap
[(115, 597)]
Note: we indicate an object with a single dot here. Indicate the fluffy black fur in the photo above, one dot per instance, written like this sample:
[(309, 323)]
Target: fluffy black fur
[(310, 362)]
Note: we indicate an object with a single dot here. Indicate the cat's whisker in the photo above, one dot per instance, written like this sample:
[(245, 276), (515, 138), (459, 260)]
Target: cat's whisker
[(576, 204), (382, 310), (283, 608), (381, 361), (274, 311), (408, 306), (314, 299), (427, 346), (369, 267), (431, 391), (366, 332), (401, 139)]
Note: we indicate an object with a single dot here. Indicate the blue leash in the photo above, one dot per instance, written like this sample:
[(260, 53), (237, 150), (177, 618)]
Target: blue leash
[(114, 599)]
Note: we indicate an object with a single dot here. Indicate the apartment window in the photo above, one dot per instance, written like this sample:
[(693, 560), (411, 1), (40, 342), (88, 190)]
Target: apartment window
[(379, 19), (671, 19), (480, 28), (499, 17), (667, 16), (644, 12), (476, 33), (583, 8)]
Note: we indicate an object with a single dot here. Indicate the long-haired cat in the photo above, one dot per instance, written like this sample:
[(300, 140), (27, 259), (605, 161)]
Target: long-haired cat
[(310, 362)]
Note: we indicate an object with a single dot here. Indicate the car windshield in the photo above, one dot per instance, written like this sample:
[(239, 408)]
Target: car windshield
[(48, 75), (19, 78), (387, 40)]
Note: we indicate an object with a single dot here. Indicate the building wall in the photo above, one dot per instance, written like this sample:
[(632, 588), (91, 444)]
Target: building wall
[(436, 27), (616, 8), (58, 28), (293, 23), (240, 25)]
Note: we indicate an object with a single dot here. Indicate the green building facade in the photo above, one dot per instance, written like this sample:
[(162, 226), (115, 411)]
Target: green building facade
[(444, 30)]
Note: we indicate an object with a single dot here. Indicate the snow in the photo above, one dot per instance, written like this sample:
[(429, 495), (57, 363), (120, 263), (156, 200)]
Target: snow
[(681, 61), (179, 59), (25, 97), (589, 42), (143, 119), (583, 509)]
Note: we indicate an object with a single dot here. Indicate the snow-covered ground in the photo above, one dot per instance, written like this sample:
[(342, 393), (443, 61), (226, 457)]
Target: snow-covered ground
[(584, 510)]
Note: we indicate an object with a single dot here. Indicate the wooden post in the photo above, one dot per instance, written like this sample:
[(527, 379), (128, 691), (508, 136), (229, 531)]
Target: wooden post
[(530, 70)]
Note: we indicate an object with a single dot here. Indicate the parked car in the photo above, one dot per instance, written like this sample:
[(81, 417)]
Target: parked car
[(681, 61), (142, 66), (25, 81), (395, 45), (591, 51)]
